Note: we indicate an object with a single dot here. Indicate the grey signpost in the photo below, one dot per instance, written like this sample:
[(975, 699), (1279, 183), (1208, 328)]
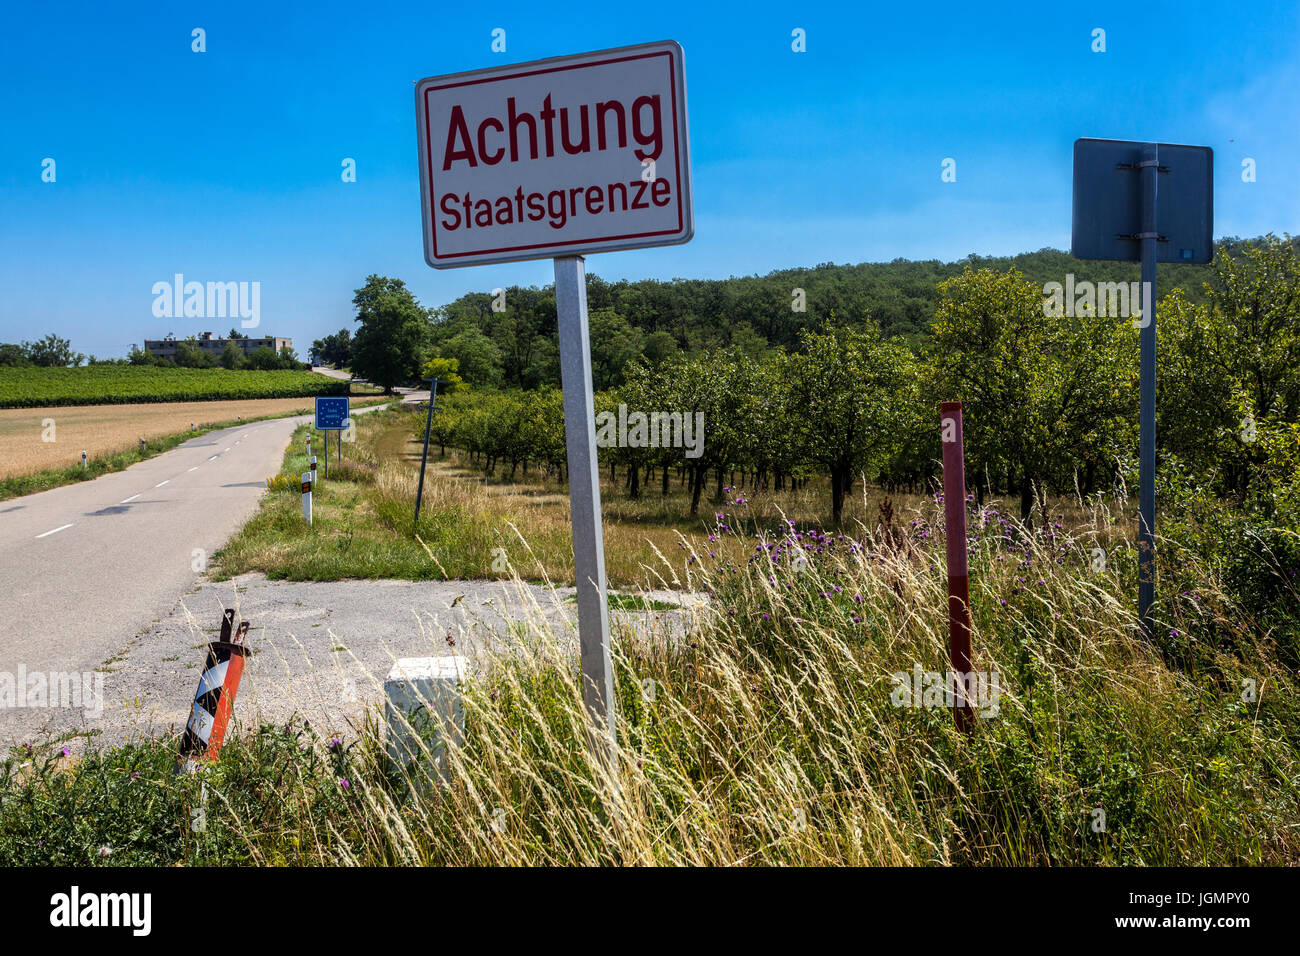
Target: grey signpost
[(496, 186), (1150, 202), (424, 456), (584, 490)]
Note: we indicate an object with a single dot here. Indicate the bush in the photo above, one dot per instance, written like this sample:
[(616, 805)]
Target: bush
[(284, 483)]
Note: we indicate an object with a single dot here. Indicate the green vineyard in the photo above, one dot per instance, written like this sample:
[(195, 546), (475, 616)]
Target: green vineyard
[(122, 385)]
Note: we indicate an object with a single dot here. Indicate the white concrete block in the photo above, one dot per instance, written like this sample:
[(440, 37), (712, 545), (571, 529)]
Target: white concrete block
[(424, 710)]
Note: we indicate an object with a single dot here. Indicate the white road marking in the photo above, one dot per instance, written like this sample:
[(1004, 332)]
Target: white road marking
[(226, 449), (213, 458), (55, 531), (161, 483), (195, 468), (125, 500)]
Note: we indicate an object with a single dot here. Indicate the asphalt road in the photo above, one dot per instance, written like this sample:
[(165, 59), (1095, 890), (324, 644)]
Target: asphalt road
[(86, 568)]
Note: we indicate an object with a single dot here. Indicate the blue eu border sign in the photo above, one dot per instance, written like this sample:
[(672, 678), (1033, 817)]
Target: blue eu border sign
[(1147, 203), (331, 412)]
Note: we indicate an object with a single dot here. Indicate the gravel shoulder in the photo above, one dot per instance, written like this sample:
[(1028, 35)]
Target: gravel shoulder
[(321, 650)]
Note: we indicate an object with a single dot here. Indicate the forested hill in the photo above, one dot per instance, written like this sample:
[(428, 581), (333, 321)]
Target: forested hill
[(655, 318)]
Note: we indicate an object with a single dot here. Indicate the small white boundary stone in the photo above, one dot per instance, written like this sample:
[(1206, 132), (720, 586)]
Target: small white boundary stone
[(422, 699)]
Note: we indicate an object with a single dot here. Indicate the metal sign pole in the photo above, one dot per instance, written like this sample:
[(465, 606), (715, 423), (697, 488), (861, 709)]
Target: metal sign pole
[(1147, 388), (428, 425), (1115, 218), (584, 497)]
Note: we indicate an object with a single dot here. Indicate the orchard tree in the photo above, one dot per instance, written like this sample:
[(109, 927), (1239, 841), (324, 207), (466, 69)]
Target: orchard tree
[(648, 388), (849, 391), (1231, 367), (773, 445), (718, 386), (1042, 393), (542, 428)]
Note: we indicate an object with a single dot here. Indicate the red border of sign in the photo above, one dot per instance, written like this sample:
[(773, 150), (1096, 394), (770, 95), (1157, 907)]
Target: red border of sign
[(677, 154)]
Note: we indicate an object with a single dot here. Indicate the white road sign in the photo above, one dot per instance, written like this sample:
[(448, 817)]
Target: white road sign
[(558, 157)]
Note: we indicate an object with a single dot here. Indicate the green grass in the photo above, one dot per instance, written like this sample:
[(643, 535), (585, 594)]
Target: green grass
[(131, 384), (469, 523), (363, 514), (619, 601)]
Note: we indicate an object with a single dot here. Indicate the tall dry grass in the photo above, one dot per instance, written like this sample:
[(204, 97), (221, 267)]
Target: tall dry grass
[(769, 730)]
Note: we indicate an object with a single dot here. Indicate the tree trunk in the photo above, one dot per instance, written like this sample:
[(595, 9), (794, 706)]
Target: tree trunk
[(1027, 499), (840, 480), (697, 485)]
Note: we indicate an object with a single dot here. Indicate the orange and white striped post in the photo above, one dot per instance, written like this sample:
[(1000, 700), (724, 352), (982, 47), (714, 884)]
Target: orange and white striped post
[(214, 702)]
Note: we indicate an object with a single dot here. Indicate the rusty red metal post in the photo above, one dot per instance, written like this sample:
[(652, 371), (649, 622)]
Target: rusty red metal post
[(954, 519)]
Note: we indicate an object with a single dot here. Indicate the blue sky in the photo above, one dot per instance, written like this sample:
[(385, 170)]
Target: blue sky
[(225, 165)]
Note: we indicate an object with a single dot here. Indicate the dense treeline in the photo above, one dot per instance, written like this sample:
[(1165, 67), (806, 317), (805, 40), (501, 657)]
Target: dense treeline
[(1051, 400), (507, 338)]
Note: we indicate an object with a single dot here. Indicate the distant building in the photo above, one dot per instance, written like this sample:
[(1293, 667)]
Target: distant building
[(166, 348)]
